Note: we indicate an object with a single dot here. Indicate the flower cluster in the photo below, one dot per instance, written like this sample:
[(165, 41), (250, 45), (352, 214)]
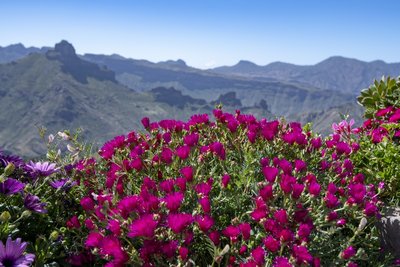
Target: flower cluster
[(377, 127), (236, 190), (36, 201)]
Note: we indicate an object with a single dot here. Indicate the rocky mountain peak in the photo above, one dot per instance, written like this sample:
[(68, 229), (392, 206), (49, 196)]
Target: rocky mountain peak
[(65, 49)]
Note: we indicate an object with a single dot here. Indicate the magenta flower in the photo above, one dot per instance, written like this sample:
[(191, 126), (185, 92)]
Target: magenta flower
[(270, 173), (302, 255), (11, 186), (191, 139), (270, 129), (128, 204), (258, 214), (42, 168), (93, 240), (304, 230), (286, 183), (218, 149), (174, 201), (203, 188), (143, 227), (281, 262), (297, 189), (252, 136), (258, 255), (316, 143), (167, 137), (179, 221), (333, 215), (378, 134), (225, 180), (181, 183), (281, 216), (272, 244), (242, 249), (348, 253), (271, 226), (169, 248), (136, 164), (167, 185), (198, 119), (183, 252), (357, 192), (331, 200), (266, 192), (205, 223), (187, 172), (166, 155), (286, 166), (245, 229), (332, 188), (111, 246), (341, 222), (115, 227), (183, 152), (33, 203), (286, 235), (300, 165), (343, 148), (395, 117), (215, 237), (205, 204), (384, 111), (370, 209), (73, 222), (12, 254), (145, 122), (87, 203), (232, 232), (314, 188)]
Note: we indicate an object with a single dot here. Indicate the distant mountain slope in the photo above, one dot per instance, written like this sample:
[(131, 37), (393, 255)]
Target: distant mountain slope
[(17, 51), (335, 73), (282, 98), (60, 91)]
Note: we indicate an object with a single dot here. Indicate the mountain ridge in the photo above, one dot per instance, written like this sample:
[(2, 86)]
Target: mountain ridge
[(108, 95)]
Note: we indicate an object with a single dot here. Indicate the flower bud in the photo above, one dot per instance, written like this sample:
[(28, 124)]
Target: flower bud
[(363, 223), (28, 187), (63, 135), (51, 138), (9, 169), (25, 214), (70, 148), (5, 216), (54, 235)]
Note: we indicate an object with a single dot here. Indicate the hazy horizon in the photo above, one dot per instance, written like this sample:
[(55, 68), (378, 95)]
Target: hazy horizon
[(206, 34)]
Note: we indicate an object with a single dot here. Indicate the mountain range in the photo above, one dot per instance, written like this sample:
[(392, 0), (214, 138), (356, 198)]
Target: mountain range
[(107, 95), (335, 73)]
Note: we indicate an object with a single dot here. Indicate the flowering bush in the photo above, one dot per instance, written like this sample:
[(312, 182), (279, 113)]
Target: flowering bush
[(237, 191), (227, 191), (379, 138), (36, 200)]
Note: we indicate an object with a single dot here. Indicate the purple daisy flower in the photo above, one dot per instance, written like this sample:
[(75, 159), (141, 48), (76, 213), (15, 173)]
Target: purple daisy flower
[(42, 168), (5, 159), (11, 186), (65, 184), (11, 254), (33, 203)]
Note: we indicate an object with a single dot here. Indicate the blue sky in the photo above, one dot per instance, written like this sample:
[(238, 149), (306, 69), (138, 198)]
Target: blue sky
[(209, 33)]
